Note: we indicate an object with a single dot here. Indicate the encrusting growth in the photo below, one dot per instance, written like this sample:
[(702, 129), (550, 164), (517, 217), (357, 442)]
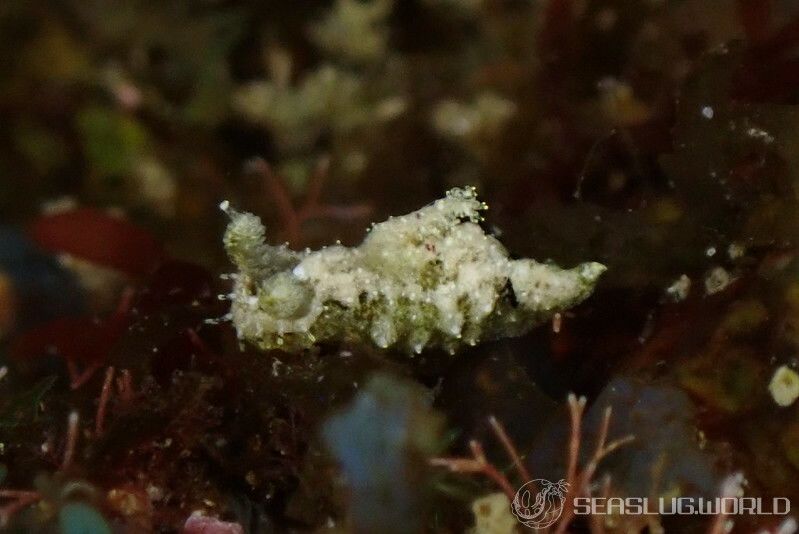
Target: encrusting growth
[(432, 278)]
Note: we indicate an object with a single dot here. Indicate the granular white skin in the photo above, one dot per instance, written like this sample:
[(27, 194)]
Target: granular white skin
[(432, 278)]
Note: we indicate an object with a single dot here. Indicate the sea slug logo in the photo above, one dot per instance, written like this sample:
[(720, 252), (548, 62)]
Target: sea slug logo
[(539, 503)]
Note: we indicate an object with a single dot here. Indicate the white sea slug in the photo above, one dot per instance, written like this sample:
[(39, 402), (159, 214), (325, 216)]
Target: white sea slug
[(432, 278)]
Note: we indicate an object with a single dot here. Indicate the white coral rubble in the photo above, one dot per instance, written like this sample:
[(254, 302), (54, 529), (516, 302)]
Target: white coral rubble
[(429, 278), (784, 386), (492, 515)]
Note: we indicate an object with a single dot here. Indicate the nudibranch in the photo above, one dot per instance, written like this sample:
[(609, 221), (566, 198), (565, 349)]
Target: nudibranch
[(432, 278)]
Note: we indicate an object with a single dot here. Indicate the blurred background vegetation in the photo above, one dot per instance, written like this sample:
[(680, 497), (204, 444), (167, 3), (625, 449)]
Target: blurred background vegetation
[(156, 109)]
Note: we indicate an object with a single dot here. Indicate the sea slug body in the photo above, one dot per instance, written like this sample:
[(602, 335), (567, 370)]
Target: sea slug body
[(432, 278)]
